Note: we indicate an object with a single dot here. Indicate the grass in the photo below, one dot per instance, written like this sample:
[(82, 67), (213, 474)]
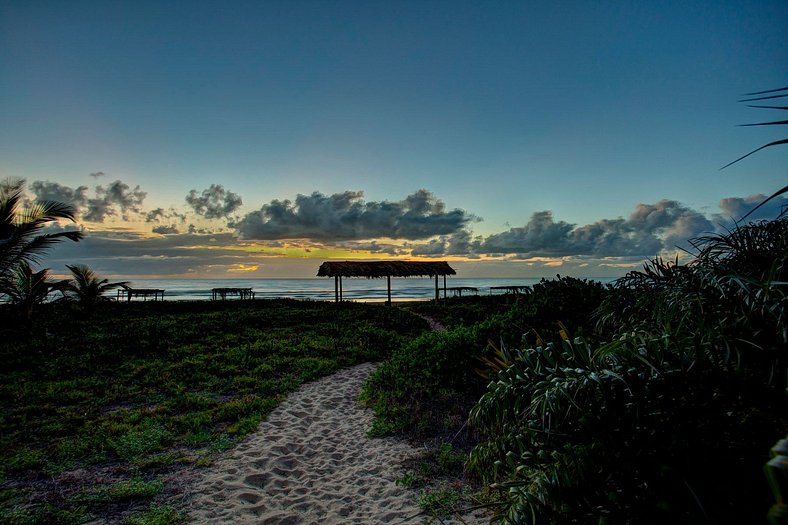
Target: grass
[(95, 410)]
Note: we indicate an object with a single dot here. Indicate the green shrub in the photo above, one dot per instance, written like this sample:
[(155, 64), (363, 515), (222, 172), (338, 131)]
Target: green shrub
[(410, 386), (668, 422), (434, 377)]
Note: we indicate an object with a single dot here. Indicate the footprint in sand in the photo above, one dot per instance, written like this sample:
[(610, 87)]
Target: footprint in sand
[(310, 462)]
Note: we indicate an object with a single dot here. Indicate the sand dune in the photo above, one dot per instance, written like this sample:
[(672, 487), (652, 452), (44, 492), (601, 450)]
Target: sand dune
[(310, 462)]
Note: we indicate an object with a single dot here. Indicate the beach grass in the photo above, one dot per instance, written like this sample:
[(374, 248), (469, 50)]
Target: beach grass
[(106, 415)]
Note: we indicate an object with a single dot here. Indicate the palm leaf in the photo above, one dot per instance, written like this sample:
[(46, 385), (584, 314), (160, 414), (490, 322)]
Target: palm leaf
[(774, 123)]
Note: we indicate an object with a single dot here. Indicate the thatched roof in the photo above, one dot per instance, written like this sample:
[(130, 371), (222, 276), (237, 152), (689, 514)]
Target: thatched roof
[(373, 269)]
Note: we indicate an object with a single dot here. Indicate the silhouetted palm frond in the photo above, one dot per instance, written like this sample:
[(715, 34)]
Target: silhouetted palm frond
[(21, 240), (780, 93), (86, 286)]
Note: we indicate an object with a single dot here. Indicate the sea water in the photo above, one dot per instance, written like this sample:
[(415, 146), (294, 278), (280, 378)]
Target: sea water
[(353, 289)]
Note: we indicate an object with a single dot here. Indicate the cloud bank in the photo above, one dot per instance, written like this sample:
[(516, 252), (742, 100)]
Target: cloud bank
[(196, 240), (650, 229), (346, 216)]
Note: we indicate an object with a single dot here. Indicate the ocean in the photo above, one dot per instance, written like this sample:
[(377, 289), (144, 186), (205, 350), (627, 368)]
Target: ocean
[(365, 290)]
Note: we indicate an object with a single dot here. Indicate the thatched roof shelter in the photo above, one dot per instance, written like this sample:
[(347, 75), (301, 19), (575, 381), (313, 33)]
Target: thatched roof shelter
[(378, 269), (387, 269)]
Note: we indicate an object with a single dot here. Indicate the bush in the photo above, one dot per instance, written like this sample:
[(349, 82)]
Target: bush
[(410, 390), (435, 377), (666, 424)]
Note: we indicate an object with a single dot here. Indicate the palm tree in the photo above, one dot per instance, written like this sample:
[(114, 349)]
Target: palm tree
[(26, 288), (20, 239), (86, 286)]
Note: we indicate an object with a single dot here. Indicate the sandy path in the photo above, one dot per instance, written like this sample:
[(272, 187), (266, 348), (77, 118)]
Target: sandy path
[(310, 462)]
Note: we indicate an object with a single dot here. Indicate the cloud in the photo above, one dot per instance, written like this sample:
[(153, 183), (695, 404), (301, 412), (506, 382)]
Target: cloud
[(166, 229), (434, 248), (734, 208), (346, 216), (214, 202), (161, 215), (240, 267), (52, 191), (117, 198), (650, 229), (372, 247), (541, 235), (124, 253)]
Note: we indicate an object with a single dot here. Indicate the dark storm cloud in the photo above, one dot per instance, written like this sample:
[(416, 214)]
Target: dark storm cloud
[(116, 199), (346, 216), (214, 202)]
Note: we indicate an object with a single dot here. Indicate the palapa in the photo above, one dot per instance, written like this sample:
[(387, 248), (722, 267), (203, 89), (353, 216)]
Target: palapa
[(387, 269)]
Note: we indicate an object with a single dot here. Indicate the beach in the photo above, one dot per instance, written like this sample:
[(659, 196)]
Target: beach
[(311, 462)]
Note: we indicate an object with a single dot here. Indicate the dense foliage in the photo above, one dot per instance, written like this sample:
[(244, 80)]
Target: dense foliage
[(670, 420), (429, 384), (97, 411)]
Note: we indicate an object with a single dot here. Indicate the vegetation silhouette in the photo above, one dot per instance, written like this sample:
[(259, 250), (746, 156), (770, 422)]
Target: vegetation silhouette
[(86, 287)]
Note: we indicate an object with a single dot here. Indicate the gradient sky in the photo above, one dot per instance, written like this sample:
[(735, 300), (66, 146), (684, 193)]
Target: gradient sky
[(614, 117)]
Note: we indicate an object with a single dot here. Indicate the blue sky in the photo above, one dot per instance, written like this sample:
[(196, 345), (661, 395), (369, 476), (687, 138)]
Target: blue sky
[(501, 110)]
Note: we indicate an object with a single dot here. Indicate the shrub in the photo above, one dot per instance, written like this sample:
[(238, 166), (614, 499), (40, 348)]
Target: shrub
[(422, 377), (667, 423), (434, 377)]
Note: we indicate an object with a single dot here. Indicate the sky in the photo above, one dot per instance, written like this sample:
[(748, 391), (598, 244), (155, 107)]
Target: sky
[(513, 139)]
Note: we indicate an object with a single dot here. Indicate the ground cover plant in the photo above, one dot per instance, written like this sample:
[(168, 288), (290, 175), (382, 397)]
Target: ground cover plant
[(103, 413)]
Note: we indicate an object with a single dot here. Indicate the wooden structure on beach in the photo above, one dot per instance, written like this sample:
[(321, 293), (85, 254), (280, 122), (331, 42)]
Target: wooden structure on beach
[(510, 289), (222, 293), (457, 290), (128, 292), (387, 269)]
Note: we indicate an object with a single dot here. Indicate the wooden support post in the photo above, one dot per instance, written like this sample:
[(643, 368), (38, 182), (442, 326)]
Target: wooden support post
[(437, 293), (388, 281), (444, 287), (336, 288), (341, 298)]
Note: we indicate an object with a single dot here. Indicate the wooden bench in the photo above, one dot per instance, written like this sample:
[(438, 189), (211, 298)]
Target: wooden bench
[(511, 289), (222, 293), (129, 292), (457, 290)]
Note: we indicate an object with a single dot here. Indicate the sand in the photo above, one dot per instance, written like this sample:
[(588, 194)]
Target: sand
[(310, 462)]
